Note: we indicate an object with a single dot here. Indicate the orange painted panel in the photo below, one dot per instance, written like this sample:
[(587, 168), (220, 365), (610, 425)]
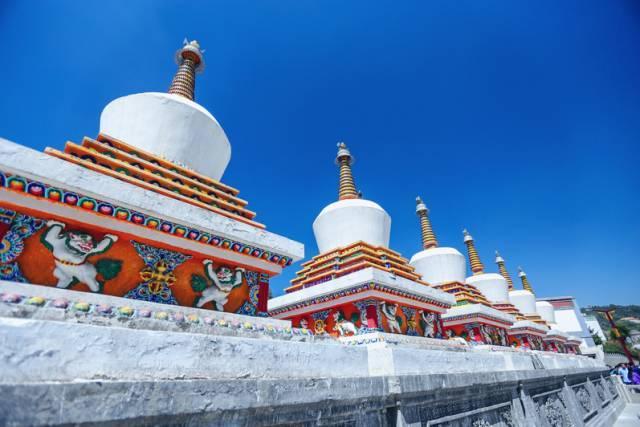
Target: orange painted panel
[(73, 256)]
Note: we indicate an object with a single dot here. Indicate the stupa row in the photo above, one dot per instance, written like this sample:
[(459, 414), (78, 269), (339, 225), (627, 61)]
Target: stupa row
[(140, 212), (357, 284)]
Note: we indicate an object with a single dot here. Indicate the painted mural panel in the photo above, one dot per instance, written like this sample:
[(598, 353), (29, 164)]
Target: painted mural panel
[(362, 316), (72, 256)]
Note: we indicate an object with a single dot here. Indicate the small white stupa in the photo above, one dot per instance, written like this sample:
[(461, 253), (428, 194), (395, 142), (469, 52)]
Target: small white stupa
[(547, 312), (172, 125), (351, 218), (493, 286), (524, 299), (502, 268), (436, 265)]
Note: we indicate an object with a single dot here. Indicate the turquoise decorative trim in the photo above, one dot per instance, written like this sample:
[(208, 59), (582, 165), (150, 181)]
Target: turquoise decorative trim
[(58, 195)]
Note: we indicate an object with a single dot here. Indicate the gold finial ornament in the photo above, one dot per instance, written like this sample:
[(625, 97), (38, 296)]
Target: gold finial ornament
[(428, 237), (190, 61), (525, 282), (503, 270), (474, 259), (347, 188)]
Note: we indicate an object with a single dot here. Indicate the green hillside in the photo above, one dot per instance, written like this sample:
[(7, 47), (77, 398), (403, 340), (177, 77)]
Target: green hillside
[(627, 312)]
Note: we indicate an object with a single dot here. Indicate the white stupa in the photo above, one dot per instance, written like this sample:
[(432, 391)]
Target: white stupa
[(171, 124), (547, 312), (524, 299), (435, 264), (353, 243), (351, 218), (493, 286)]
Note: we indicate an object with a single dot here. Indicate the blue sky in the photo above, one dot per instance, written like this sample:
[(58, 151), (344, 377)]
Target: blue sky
[(517, 120)]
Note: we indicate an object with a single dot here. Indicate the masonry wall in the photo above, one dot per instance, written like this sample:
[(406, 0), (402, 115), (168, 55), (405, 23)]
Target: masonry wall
[(71, 357)]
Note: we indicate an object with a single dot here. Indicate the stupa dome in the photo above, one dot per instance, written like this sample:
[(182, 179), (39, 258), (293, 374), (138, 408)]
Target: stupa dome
[(524, 301), (546, 311), (493, 286), (440, 265), (351, 218), (347, 221), (172, 125), (436, 265)]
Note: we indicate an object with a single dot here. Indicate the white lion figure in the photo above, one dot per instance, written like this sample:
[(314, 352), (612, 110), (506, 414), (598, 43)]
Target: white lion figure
[(503, 337), (70, 251), (224, 280), (428, 324), (343, 326), (459, 340), (393, 321), (486, 336), (472, 336)]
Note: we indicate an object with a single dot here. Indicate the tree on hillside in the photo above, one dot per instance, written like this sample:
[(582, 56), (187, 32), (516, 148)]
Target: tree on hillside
[(596, 338), (624, 332)]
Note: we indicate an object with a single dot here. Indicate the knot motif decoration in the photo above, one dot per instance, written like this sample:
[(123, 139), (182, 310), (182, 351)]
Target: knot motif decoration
[(158, 276)]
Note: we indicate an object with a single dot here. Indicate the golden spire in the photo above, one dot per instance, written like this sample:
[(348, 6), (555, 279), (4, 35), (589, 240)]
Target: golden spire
[(503, 270), (347, 189), (474, 259), (428, 237), (525, 282), (190, 61)]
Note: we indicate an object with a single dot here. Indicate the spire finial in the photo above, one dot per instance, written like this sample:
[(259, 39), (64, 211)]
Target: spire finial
[(428, 237), (347, 188), (503, 270), (474, 259), (525, 281), (190, 61)]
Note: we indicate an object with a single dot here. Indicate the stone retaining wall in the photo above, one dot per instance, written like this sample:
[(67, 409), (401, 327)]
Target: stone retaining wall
[(62, 362), (517, 398)]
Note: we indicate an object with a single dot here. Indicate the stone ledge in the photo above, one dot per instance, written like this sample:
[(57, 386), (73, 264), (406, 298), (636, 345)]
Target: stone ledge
[(50, 303)]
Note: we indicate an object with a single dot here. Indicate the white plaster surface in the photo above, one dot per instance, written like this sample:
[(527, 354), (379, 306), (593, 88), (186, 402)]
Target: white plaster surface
[(529, 324), (468, 309), (493, 286), (348, 221), (170, 126), (357, 278), (33, 164), (554, 333), (70, 346), (594, 325), (524, 301), (546, 311), (567, 321), (440, 265), (63, 351), (37, 350)]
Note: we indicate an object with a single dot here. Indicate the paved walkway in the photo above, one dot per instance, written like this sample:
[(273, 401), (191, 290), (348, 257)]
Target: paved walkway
[(629, 416)]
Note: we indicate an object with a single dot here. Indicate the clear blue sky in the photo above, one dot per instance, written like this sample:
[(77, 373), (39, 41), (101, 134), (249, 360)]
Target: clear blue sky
[(518, 120)]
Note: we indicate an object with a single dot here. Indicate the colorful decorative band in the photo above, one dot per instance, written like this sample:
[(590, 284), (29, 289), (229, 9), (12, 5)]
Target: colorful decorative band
[(355, 290), (82, 308), (57, 195)]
